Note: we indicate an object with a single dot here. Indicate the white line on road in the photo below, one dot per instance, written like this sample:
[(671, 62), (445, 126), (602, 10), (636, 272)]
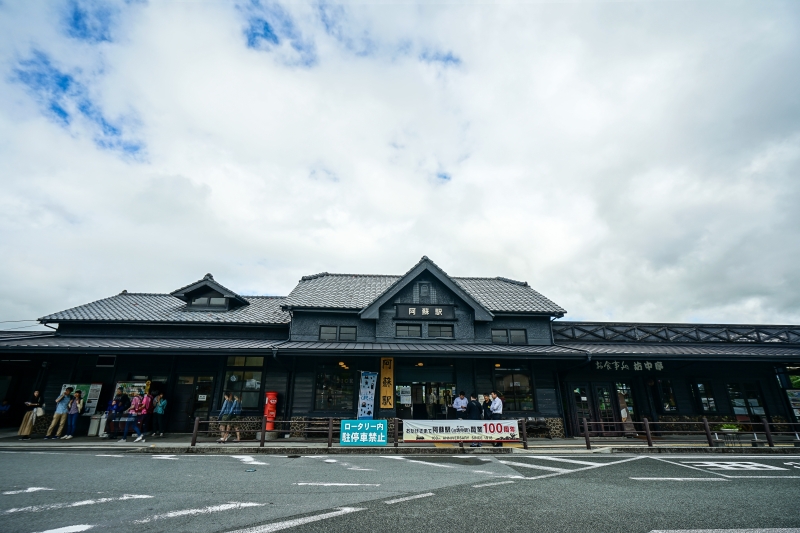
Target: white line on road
[(247, 459), (491, 484), (588, 467), (362, 469), (562, 460), (430, 464), (727, 476), (69, 529), (172, 457), (678, 479), (537, 467), (51, 506), (108, 455), (322, 484), (277, 526), (416, 496), (29, 489), (204, 510)]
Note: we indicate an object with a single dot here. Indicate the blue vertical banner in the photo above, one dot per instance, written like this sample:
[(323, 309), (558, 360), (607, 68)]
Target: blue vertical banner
[(366, 395)]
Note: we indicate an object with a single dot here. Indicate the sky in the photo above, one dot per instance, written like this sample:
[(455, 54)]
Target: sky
[(631, 160)]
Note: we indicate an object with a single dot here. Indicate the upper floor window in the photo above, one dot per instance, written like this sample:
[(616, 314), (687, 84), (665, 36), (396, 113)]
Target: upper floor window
[(437, 330), (345, 333), (409, 330), (509, 336), (500, 336), (209, 302)]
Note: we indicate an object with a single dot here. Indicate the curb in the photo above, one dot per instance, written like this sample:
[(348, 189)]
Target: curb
[(320, 451), (782, 450)]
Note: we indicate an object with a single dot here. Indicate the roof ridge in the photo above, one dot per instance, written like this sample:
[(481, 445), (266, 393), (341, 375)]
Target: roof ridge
[(324, 274), (495, 278)]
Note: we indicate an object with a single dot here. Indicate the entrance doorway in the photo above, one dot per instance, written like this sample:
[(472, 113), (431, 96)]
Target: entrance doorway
[(424, 400), (746, 401), (604, 402), (192, 397)]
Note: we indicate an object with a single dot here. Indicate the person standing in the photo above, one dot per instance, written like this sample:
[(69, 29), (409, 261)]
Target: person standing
[(432, 401), (119, 404), (134, 416), (33, 407), (159, 409), (487, 406), (225, 416), (474, 413), (74, 411), (497, 412), (236, 414), (460, 405), (146, 411), (60, 416)]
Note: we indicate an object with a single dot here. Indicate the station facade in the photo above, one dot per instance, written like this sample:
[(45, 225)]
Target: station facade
[(439, 334)]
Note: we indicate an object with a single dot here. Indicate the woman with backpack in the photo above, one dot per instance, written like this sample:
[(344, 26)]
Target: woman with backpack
[(74, 411)]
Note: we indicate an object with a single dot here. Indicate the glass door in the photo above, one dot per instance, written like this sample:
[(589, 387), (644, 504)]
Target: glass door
[(581, 405), (627, 413), (746, 400), (606, 413)]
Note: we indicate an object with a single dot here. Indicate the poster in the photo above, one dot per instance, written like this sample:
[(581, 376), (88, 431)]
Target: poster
[(90, 392), (129, 386), (387, 383), (458, 430), (363, 433), (794, 401), (405, 394), (366, 395)]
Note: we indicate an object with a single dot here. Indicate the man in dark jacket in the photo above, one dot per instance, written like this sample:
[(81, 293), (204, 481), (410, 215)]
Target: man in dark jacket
[(474, 409), (119, 404)]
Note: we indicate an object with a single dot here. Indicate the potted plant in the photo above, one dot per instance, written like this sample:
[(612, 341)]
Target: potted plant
[(729, 428)]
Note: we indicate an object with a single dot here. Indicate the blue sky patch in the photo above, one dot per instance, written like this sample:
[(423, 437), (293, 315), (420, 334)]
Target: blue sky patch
[(448, 59), (67, 102), (89, 20), (443, 176), (269, 26)]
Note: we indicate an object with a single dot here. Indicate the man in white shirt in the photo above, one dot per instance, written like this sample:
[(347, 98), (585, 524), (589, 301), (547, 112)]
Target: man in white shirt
[(460, 405), (432, 401), (497, 406)]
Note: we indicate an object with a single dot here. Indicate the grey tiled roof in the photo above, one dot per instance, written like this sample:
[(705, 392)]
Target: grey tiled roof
[(127, 343), (140, 307), (356, 291), (616, 332), (429, 348)]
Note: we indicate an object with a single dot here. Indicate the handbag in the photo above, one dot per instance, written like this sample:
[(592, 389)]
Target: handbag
[(39, 411)]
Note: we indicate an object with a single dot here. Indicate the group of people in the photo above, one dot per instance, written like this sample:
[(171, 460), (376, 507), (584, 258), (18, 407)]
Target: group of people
[(472, 409), (143, 412), (230, 412)]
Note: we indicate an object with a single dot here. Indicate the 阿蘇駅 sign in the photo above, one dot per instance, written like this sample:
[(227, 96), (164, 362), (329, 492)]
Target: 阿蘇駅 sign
[(363, 433), (426, 312), (458, 430)]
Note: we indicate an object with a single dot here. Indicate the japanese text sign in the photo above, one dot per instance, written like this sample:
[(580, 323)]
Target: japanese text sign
[(458, 430), (363, 433), (387, 383), (636, 366), (426, 312)]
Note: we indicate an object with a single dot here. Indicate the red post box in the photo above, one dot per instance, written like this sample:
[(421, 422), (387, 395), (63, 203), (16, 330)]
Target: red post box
[(271, 409)]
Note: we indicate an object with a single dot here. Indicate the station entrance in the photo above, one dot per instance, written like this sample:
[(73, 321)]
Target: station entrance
[(606, 402), (430, 400)]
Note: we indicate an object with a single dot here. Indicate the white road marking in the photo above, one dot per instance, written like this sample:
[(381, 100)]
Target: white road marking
[(590, 467), (204, 510), (51, 506), (331, 461), (362, 469), (728, 476), (415, 497), (678, 479), (29, 489), (759, 530), (323, 484), (730, 465), (562, 460), (277, 526), (247, 459), (172, 457), (430, 464), (108, 455), (69, 529), (491, 484), (537, 467)]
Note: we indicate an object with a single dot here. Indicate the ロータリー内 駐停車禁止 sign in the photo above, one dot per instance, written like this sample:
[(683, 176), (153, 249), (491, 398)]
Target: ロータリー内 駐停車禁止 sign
[(363, 433)]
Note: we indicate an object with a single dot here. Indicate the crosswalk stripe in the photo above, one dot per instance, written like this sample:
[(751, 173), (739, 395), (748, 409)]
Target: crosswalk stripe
[(24, 491), (277, 526), (69, 529), (204, 510), (414, 497), (51, 506)]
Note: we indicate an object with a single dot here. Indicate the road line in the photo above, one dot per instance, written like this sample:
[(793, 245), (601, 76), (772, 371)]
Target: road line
[(29, 489), (362, 469), (491, 484), (416, 496), (561, 460), (277, 526), (108, 455), (323, 484), (430, 464), (679, 479), (537, 467), (172, 457), (763, 477), (69, 529), (247, 459), (589, 467), (204, 510), (51, 506)]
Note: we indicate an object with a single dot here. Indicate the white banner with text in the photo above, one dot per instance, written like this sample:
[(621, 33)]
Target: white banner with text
[(458, 430)]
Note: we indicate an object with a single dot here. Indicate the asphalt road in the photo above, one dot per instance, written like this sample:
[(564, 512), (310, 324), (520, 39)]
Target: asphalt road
[(70, 491)]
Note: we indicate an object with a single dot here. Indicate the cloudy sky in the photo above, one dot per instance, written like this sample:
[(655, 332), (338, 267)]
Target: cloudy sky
[(634, 160)]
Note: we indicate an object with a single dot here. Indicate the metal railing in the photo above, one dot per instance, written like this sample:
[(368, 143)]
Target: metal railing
[(325, 427), (660, 429)]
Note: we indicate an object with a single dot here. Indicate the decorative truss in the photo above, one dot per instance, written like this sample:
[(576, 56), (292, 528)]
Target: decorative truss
[(613, 332)]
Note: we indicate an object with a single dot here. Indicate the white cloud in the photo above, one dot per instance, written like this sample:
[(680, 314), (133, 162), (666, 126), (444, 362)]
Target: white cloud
[(632, 161)]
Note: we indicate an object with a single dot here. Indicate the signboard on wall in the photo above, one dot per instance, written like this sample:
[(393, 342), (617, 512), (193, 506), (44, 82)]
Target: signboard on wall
[(387, 383), (363, 433), (460, 430), (366, 396), (90, 393), (426, 312)]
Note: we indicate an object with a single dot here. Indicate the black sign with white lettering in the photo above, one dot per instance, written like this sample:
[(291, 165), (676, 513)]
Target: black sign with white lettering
[(426, 312)]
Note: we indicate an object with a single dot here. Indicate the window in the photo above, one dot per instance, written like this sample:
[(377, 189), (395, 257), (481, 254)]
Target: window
[(327, 333), (515, 388), (209, 302), (704, 396), (335, 388), (244, 382), (347, 333), (667, 397), (748, 406), (499, 336), (409, 330), (518, 336), (436, 330)]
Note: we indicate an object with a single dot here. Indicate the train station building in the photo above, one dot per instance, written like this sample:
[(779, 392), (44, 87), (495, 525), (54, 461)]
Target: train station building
[(428, 334)]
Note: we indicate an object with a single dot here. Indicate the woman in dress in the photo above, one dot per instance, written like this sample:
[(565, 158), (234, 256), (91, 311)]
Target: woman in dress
[(29, 420)]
